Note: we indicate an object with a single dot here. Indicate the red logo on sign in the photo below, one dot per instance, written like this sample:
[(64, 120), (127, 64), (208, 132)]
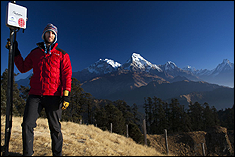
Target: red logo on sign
[(21, 22)]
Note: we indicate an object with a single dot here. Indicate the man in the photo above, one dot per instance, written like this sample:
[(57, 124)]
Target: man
[(50, 82)]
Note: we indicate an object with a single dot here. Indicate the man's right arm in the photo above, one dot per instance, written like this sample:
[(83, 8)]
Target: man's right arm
[(22, 65)]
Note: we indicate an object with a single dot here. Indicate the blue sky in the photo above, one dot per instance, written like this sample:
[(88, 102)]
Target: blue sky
[(195, 33)]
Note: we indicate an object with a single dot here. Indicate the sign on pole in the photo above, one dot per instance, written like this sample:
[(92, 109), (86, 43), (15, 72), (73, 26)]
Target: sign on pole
[(16, 16)]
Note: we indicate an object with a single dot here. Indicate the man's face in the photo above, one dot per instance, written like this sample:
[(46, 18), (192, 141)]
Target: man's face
[(49, 37)]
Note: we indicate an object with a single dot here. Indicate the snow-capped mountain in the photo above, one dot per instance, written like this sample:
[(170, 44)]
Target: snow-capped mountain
[(172, 69), (189, 68), (223, 67), (138, 63), (100, 67), (103, 66), (223, 74), (169, 66)]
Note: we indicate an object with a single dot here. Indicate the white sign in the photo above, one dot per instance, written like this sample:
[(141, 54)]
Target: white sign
[(16, 16)]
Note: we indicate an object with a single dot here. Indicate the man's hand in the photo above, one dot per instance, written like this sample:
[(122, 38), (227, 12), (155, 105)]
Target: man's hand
[(8, 44), (65, 99), (17, 52)]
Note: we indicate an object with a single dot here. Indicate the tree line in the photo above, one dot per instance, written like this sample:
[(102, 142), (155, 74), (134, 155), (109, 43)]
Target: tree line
[(174, 117), (159, 115)]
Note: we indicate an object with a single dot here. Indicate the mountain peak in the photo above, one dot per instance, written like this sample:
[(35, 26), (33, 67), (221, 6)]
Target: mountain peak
[(134, 54), (135, 57), (112, 63), (170, 65), (189, 68), (137, 62), (103, 66), (226, 61), (224, 66)]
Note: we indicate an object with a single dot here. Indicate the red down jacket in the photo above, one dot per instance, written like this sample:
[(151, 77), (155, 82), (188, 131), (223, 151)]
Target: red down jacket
[(52, 73)]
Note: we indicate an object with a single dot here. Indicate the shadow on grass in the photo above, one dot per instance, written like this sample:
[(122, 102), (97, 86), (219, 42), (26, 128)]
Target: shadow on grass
[(9, 153)]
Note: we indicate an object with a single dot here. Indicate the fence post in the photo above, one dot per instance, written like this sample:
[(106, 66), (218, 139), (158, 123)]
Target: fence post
[(203, 149), (145, 132), (111, 127), (165, 132), (127, 131)]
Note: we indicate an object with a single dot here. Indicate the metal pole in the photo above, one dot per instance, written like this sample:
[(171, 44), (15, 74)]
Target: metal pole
[(127, 134), (167, 150), (203, 149), (111, 126), (145, 132), (9, 104)]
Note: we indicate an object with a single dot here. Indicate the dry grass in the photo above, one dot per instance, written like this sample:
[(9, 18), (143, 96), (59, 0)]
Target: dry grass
[(79, 140)]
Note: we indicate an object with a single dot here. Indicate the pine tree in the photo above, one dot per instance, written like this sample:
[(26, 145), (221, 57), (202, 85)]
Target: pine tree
[(162, 123), (216, 117), (135, 114), (195, 113), (115, 117), (226, 118), (125, 109), (135, 133), (101, 118), (186, 123), (167, 114), (174, 117), (18, 102), (148, 106), (208, 119), (149, 121), (87, 105), (155, 117), (3, 101)]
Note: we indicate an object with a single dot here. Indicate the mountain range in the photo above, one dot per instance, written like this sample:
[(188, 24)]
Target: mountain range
[(138, 78), (223, 74)]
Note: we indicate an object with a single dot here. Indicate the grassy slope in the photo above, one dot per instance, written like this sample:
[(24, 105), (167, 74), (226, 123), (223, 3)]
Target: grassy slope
[(79, 140)]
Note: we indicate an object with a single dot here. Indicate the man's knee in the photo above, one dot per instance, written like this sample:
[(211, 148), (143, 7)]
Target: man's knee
[(28, 126)]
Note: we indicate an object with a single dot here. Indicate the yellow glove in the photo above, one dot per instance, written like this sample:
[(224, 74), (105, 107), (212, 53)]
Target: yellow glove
[(8, 43), (17, 51), (65, 99)]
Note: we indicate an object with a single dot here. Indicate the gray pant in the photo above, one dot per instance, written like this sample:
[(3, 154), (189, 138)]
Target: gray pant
[(34, 106)]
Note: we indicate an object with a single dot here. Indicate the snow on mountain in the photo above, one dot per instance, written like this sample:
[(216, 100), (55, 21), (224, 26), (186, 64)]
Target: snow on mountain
[(189, 68), (112, 63), (196, 72), (103, 66), (169, 66), (223, 67), (137, 62), (203, 72)]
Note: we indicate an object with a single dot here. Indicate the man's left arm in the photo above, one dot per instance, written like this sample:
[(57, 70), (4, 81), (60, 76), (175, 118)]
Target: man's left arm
[(66, 75)]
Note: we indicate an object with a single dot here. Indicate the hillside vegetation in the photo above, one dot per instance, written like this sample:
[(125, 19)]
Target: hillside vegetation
[(79, 140)]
